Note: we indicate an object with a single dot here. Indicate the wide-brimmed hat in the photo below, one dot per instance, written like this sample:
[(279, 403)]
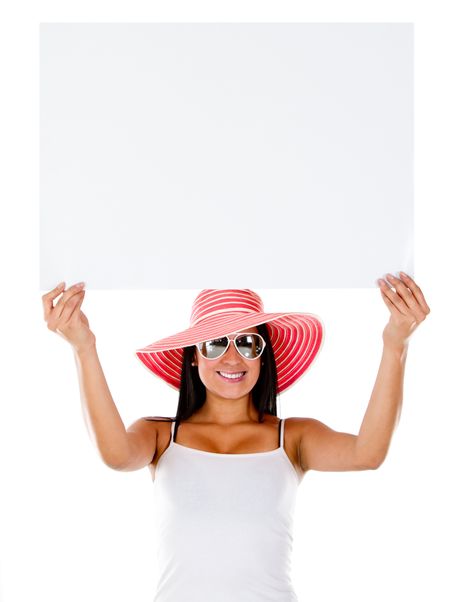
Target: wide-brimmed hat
[(296, 338)]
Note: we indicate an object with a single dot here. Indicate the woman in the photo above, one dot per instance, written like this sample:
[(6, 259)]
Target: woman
[(226, 469)]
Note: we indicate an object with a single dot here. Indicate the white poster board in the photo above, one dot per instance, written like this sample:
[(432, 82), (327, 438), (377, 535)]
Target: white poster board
[(217, 155)]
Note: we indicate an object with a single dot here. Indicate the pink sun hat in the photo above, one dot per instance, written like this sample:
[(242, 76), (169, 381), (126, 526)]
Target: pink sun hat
[(296, 338)]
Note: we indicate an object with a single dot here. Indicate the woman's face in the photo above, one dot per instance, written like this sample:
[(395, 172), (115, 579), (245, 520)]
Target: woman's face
[(231, 361)]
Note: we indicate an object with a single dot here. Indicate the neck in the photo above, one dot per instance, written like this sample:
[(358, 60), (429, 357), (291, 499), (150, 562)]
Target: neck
[(221, 410)]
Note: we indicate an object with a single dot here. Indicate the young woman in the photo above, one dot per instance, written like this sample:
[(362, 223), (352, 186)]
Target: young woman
[(226, 468)]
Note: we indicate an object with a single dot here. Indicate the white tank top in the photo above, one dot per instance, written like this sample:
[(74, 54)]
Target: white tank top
[(224, 525)]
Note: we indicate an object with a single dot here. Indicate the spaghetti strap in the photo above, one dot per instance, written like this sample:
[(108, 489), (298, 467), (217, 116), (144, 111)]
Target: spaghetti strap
[(281, 431), (172, 428)]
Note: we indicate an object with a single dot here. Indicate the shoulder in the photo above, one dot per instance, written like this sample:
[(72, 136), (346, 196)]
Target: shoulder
[(158, 418), (295, 428), (152, 423), (297, 424), (293, 425)]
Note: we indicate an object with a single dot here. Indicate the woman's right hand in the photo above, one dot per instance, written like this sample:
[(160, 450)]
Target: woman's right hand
[(66, 318)]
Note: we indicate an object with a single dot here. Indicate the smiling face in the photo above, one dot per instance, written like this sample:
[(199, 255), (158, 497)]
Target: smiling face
[(231, 361)]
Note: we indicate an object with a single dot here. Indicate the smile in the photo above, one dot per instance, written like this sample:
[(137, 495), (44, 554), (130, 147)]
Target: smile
[(232, 376)]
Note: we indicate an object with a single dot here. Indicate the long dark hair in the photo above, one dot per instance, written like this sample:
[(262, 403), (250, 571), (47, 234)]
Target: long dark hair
[(193, 392)]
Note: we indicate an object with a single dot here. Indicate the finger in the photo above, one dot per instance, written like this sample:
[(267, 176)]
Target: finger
[(76, 308), (65, 298), (391, 307), (393, 297), (47, 299), (412, 304), (71, 305), (416, 290), (404, 292)]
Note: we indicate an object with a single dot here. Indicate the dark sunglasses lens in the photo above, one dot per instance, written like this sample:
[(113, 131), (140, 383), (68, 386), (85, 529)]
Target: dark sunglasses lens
[(250, 345), (214, 348)]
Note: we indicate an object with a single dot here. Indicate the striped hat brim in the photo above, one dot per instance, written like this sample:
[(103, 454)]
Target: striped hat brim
[(296, 339)]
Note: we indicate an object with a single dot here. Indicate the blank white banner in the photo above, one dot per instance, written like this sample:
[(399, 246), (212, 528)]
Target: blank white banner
[(191, 156)]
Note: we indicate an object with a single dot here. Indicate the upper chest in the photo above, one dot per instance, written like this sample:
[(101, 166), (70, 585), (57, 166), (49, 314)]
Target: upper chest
[(237, 439)]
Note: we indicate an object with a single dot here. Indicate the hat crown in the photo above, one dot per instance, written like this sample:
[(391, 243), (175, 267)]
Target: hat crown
[(233, 302)]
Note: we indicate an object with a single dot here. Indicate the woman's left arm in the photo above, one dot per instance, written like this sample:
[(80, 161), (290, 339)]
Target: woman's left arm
[(408, 309)]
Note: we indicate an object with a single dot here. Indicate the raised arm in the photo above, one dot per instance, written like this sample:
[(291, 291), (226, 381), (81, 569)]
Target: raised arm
[(104, 424), (117, 447), (120, 448), (321, 448)]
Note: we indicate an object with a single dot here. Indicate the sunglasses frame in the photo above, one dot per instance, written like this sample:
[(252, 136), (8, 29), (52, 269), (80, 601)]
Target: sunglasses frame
[(225, 336)]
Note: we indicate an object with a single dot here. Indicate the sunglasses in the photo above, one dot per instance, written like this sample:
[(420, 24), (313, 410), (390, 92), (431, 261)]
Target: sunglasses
[(249, 344)]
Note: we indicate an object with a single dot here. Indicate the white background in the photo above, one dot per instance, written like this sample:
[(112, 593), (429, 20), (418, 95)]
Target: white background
[(72, 529), (272, 150)]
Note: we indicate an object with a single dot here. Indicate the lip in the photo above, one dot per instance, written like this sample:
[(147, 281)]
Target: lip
[(232, 380)]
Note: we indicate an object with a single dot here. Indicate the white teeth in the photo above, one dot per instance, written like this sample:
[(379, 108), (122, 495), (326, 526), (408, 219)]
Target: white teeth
[(231, 375)]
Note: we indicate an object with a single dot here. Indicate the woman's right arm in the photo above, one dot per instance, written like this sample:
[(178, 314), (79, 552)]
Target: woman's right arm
[(118, 447)]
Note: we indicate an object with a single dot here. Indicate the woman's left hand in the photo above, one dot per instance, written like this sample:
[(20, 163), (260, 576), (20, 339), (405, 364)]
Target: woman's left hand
[(407, 306)]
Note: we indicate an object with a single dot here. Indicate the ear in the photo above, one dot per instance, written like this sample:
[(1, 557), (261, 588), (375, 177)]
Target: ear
[(194, 359)]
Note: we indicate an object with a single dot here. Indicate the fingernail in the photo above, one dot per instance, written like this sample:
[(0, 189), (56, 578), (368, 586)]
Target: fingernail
[(61, 284), (80, 284)]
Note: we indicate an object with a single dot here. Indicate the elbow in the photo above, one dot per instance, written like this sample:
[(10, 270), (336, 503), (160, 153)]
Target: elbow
[(116, 466), (111, 465), (374, 463), (115, 463), (371, 460)]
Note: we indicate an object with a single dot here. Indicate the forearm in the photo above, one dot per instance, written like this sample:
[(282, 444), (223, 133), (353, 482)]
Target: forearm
[(384, 409), (102, 419)]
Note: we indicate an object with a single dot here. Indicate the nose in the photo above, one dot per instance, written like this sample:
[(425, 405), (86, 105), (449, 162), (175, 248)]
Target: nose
[(232, 354)]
